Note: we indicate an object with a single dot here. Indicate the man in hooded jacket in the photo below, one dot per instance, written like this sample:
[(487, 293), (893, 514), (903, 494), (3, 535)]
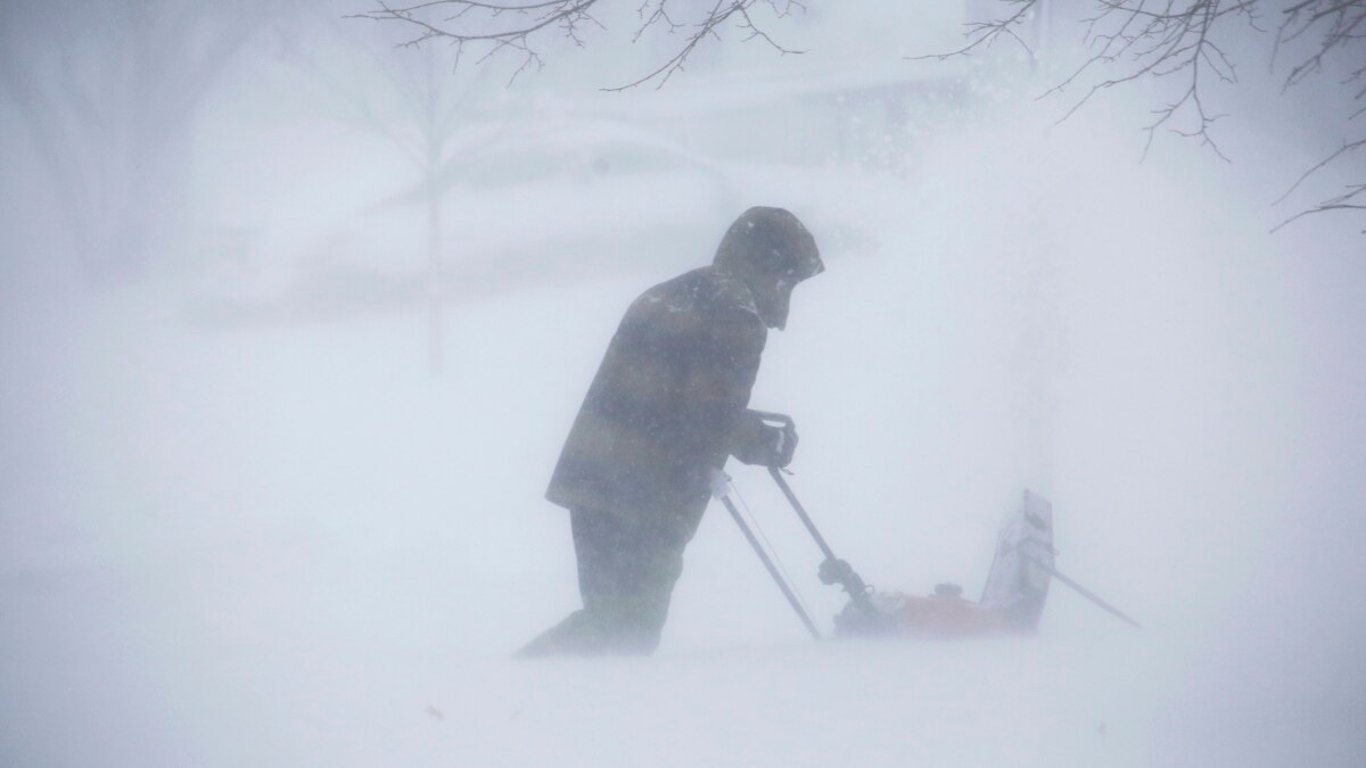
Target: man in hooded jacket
[(667, 407)]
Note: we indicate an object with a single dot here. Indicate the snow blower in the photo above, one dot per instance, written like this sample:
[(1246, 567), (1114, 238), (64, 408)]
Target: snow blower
[(1012, 600)]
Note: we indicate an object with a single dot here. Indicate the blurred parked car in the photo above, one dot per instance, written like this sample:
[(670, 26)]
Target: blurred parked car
[(519, 203), (556, 199)]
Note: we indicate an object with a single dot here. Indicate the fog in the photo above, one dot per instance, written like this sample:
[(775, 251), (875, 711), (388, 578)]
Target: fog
[(294, 322)]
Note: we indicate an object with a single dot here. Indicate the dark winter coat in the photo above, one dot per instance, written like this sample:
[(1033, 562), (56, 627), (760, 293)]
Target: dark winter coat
[(666, 399)]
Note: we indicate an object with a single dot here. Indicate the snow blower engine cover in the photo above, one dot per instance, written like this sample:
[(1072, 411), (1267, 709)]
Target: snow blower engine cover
[(1012, 600)]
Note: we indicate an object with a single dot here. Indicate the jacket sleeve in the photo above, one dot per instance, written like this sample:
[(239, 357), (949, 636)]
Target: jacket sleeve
[(717, 384)]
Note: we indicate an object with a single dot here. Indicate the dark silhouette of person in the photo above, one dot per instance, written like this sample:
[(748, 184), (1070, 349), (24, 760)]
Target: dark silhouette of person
[(668, 405)]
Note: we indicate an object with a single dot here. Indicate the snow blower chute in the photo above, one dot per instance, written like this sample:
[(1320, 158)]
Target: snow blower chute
[(1012, 600)]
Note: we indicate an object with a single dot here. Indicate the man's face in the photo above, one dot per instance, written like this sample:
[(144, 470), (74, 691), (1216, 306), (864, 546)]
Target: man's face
[(773, 298)]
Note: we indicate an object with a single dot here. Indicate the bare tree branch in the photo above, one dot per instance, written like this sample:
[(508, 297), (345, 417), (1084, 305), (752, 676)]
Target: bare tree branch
[(512, 26), (1177, 41), (706, 28), (1337, 202), (1130, 41), (1333, 31), (1339, 24), (1180, 41), (1340, 203), (1346, 148), (984, 34), (1173, 39)]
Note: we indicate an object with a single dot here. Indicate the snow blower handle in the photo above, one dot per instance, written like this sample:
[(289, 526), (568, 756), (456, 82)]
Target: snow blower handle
[(720, 488), (785, 443), (780, 420), (833, 570)]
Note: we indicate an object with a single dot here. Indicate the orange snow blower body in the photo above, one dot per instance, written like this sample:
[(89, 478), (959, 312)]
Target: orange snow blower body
[(1012, 599)]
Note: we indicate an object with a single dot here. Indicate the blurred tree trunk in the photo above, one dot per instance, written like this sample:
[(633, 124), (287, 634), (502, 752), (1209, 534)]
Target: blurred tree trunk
[(436, 128), (108, 91), (413, 100), (435, 290)]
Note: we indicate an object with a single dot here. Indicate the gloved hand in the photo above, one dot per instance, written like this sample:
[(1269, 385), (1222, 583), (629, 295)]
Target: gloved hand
[(764, 444)]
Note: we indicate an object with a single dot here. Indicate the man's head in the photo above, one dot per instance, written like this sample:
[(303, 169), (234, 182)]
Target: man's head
[(770, 250)]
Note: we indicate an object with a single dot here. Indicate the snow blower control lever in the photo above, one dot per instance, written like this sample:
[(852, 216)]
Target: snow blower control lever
[(832, 570)]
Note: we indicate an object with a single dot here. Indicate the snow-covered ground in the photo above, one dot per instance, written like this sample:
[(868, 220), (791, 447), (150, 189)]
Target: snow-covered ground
[(291, 546)]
